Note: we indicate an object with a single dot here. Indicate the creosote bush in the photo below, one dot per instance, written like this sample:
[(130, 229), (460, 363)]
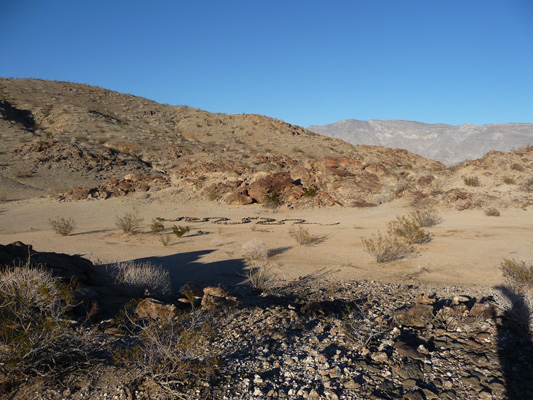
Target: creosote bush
[(302, 235), (508, 180), (129, 222), (157, 226), (426, 217), (471, 181), (255, 250), (492, 212), (271, 199), (517, 274), (387, 248), (62, 226), (180, 231), (408, 228)]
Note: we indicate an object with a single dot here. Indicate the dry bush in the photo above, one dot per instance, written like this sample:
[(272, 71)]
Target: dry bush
[(175, 352), (517, 167), (255, 250), (137, 278), (517, 274), (508, 180), (492, 212), (165, 238), (528, 185), (302, 235), (179, 230), (471, 181), (387, 248), (408, 229), (361, 329), (35, 336), (129, 222), (262, 277), (426, 217), (62, 226), (157, 226)]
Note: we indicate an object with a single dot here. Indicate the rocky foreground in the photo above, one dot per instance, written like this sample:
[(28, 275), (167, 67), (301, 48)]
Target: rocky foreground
[(308, 339)]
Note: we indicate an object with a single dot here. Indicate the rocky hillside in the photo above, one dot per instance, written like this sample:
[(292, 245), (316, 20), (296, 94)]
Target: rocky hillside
[(78, 141), (447, 143)]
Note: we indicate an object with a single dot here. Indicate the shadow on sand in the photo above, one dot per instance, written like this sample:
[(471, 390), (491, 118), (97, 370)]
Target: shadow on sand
[(515, 347)]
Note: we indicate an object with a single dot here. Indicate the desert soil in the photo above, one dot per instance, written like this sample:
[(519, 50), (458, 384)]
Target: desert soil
[(466, 248)]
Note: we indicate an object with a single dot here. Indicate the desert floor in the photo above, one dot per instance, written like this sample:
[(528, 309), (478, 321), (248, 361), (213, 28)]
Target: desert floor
[(466, 249)]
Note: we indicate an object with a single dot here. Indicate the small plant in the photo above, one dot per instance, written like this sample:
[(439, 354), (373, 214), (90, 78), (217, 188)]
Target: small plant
[(518, 274), (508, 180), (271, 199), (528, 185), (157, 226), (492, 212), (136, 278), (62, 226), (426, 217), (261, 278), (309, 191), (165, 238), (517, 167), (302, 235), (471, 181), (213, 194), (387, 248), (179, 230), (255, 250), (129, 222), (408, 228)]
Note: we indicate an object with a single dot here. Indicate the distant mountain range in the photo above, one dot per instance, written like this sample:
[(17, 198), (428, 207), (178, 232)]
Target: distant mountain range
[(450, 144)]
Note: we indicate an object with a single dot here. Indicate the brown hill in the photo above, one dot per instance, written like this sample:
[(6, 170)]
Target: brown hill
[(60, 136)]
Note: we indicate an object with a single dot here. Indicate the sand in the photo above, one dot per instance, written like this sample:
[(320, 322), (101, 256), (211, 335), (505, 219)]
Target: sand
[(466, 249)]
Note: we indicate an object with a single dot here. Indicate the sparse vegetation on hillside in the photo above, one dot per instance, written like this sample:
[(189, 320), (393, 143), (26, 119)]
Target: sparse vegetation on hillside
[(492, 212), (471, 181)]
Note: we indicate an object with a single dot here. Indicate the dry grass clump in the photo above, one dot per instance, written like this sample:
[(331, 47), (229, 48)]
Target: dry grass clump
[(35, 336), (517, 167), (471, 181), (408, 228), (387, 248), (262, 278), (129, 222), (302, 235), (180, 231), (62, 226), (492, 212), (255, 250), (426, 217), (137, 278), (508, 180), (175, 352)]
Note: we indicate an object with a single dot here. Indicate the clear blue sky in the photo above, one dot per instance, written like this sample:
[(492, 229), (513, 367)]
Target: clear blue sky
[(306, 62)]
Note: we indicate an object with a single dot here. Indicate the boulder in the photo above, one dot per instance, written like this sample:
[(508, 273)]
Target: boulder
[(239, 197)]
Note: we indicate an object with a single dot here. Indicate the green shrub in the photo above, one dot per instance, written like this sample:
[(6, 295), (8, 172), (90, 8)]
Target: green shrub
[(387, 248), (271, 199), (408, 228), (179, 230), (62, 226), (471, 181), (157, 226), (129, 223), (309, 191)]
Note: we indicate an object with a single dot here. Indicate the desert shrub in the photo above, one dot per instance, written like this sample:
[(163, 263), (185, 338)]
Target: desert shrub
[(508, 180), (213, 194), (271, 199), (175, 352), (165, 239), (129, 222), (157, 226), (492, 212), (62, 226), (255, 250), (35, 336), (408, 229), (517, 167), (302, 235), (426, 217), (137, 278), (528, 185), (360, 328), (387, 248), (262, 277), (180, 231), (471, 181), (517, 274), (309, 191)]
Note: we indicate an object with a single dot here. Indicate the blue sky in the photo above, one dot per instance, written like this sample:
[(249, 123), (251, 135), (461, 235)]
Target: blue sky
[(306, 62)]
